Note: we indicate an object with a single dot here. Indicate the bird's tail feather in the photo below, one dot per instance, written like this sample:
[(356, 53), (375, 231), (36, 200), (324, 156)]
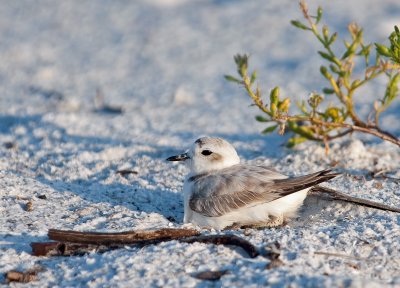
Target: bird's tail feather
[(336, 195), (291, 185)]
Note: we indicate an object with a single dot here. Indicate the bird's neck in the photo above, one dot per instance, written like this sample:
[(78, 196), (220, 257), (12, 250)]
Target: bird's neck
[(209, 167)]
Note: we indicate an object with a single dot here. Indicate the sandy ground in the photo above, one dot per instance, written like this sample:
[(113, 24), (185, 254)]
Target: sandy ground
[(162, 62)]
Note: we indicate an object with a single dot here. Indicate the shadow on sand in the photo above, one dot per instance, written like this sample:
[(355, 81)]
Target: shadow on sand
[(98, 188)]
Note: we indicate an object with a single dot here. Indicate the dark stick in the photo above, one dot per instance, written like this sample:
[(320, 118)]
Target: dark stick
[(68, 249), (84, 242), (233, 240), (336, 195), (22, 277), (129, 237)]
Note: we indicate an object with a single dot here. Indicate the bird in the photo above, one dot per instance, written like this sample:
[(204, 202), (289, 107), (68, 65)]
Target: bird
[(221, 193)]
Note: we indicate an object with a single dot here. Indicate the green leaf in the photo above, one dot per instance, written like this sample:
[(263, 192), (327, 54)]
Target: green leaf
[(319, 15), (258, 92), (294, 141), (273, 109), (253, 77), (274, 96), (293, 124), (260, 118), (347, 54), (269, 129), (328, 91), (242, 70), (350, 51), (356, 83), (241, 59), (284, 105), (302, 107), (241, 63), (305, 131), (334, 69), (392, 90), (325, 32), (394, 39), (232, 79), (325, 73), (302, 130), (299, 25), (333, 38), (333, 112), (326, 56), (383, 50), (365, 50)]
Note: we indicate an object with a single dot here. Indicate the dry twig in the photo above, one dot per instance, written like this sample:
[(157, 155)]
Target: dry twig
[(225, 239), (336, 195), (23, 277), (68, 249), (128, 237), (78, 243)]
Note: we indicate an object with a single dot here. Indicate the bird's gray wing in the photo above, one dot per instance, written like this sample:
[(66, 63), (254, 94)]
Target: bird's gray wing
[(226, 190)]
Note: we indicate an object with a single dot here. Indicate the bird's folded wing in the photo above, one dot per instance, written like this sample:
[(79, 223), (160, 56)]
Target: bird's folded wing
[(224, 191)]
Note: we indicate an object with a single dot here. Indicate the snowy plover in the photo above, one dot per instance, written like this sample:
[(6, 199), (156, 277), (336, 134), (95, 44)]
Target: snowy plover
[(219, 192)]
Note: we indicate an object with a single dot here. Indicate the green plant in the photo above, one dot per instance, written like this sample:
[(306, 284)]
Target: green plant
[(313, 122)]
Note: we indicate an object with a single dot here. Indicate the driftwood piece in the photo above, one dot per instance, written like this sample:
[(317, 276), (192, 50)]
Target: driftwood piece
[(128, 237), (23, 277), (226, 239), (79, 243), (68, 249), (336, 195)]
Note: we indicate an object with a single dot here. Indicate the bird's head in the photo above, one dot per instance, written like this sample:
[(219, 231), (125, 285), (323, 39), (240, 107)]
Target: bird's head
[(208, 154)]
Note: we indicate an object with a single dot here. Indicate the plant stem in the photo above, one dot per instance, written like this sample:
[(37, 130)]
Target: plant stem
[(256, 99), (373, 130)]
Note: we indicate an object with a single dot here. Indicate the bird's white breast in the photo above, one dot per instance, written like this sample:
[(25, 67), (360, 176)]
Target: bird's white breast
[(283, 207)]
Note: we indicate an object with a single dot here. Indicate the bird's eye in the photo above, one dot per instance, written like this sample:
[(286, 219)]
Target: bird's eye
[(206, 152)]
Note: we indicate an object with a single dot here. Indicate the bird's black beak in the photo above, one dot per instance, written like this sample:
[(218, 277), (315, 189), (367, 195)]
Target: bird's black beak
[(180, 157)]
